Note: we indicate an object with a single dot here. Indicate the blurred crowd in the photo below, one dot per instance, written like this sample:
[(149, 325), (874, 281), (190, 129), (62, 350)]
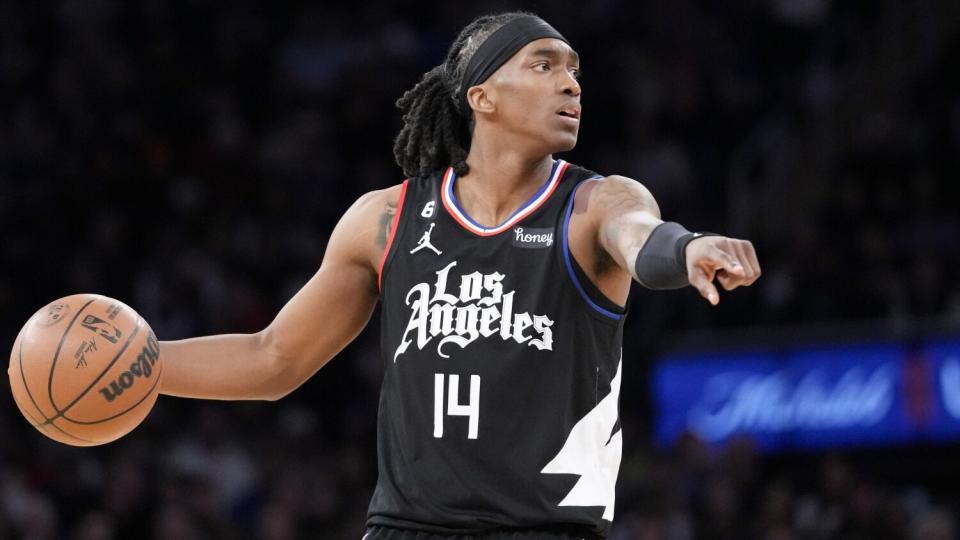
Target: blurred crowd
[(191, 158), (204, 475), (697, 493)]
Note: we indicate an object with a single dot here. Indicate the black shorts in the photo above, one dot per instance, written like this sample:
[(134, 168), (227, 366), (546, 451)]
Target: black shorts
[(380, 532)]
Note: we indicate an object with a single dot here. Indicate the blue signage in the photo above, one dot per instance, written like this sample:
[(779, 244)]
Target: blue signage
[(809, 398)]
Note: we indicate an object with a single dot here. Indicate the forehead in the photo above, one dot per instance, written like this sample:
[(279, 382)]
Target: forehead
[(552, 48)]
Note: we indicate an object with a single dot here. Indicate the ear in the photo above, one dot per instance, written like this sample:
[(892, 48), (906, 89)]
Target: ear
[(480, 99)]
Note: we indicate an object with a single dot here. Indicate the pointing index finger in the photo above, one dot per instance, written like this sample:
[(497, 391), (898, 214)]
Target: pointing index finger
[(700, 281)]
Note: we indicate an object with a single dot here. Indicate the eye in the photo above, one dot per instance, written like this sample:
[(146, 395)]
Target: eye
[(544, 65), (577, 74)]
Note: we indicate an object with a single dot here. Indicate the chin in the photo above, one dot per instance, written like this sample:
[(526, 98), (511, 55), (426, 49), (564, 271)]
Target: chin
[(556, 140), (566, 143)]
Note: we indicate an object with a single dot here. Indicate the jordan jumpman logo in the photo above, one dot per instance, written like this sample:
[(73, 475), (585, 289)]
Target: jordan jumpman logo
[(424, 241)]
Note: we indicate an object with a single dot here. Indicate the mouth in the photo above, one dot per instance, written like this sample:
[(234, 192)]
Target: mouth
[(570, 111)]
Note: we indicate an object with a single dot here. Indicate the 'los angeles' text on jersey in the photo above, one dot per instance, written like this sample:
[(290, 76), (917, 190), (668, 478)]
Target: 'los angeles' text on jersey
[(499, 406), (479, 309)]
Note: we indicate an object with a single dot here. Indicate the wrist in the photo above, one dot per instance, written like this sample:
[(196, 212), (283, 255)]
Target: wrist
[(683, 245), (662, 261)]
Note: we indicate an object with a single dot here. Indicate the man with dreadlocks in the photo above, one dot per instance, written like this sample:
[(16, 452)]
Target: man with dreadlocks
[(503, 275)]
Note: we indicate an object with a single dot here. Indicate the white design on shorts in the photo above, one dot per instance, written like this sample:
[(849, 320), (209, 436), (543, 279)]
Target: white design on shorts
[(592, 453), (424, 241)]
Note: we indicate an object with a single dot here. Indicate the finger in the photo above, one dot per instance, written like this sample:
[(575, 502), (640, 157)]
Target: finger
[(703, 284), (730, 281), (749, 275), (720, 257), (751, 259), (744, 252)]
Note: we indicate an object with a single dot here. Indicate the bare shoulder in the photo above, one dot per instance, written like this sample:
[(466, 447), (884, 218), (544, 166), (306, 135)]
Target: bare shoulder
[(615, 195), (365, 227), (377, 198)]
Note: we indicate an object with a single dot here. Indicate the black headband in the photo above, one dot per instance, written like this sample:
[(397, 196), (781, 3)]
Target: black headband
[(500, 47)]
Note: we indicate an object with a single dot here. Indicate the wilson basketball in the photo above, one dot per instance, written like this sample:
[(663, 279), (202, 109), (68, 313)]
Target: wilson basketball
[(85, 370)]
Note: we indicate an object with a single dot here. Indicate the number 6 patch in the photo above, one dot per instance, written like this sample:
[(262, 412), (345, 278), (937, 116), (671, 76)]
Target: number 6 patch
[(428, 209)]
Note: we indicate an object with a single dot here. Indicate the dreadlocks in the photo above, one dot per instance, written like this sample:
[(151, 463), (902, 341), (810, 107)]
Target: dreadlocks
[(436, 133)]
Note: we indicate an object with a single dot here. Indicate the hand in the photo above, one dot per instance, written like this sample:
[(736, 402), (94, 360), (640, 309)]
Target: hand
[(732, 262)]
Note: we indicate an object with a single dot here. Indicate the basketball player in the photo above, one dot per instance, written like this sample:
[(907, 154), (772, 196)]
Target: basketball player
[(503, 275)]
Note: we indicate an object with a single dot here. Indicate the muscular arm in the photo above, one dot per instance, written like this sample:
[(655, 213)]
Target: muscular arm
[(317, 323), (623, 214)]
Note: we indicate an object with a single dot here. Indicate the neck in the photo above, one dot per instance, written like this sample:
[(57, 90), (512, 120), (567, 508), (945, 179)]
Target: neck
[(502, 177)]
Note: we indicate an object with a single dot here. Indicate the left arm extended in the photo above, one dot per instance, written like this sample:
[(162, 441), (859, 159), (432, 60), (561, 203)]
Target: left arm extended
[(625, 214)]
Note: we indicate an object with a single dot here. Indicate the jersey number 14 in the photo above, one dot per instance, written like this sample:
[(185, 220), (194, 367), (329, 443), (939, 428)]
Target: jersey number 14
[(454, 408)]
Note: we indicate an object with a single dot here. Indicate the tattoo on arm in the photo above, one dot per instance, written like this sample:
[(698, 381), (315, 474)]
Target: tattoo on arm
[(629, 214), (620, 196), (386, 222)]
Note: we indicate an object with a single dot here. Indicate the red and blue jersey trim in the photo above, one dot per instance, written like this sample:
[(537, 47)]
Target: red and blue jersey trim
[(568, 262), (536, 201), (393, 232)]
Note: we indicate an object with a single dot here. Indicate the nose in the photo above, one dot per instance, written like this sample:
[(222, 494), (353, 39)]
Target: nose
[(570, 85)]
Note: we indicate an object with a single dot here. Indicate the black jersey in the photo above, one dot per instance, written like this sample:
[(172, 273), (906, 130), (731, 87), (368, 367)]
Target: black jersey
[(499, 406)]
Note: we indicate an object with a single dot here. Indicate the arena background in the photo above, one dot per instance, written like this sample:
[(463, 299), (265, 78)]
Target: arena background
[(190, 158)]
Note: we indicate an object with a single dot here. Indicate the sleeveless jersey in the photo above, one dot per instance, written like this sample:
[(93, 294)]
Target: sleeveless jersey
[(499, 405)]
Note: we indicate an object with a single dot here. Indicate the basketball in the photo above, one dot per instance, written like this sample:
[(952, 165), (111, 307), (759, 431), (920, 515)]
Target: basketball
[(85, 370)]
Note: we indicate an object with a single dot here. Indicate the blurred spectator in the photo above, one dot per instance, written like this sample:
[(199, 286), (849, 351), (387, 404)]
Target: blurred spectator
[(192, 158)]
